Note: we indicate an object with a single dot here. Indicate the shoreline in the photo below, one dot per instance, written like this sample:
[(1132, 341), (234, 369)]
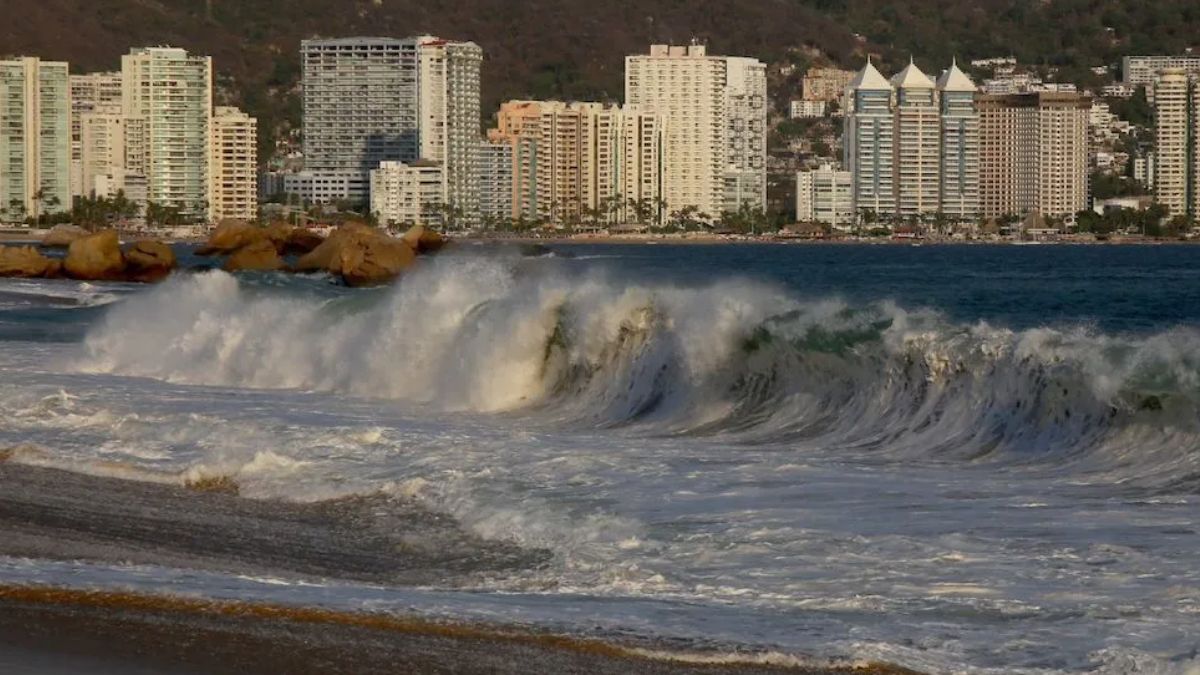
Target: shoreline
[(54, 514)]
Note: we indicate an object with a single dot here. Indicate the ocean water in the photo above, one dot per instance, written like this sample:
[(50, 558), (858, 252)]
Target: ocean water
[(951, 458)]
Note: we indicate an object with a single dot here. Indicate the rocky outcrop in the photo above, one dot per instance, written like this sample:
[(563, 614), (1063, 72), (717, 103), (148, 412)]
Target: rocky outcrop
[(27, 262), (261, 256), (361, 255), (230, 235), (96, 257), (148, 261), (423, 240), (61, 236), (300, 241)]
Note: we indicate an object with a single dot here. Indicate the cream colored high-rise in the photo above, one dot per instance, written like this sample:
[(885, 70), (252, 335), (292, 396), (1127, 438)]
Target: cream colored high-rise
[(89, 92), (714, 112), (917, 141), (101, 150), (233, 165), (166, 98), (1033, 153), (449, 115), (35, 138), (1172, 153)]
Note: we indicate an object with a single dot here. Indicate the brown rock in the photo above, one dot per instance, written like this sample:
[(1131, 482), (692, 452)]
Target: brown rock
[(96, 257), (260, 256), (149, 261), (301, 240), (61, 236), (230, 235), (26, 262), (423, 240), (361, 254)]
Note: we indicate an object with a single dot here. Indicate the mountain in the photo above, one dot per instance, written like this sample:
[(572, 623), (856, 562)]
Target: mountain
[(575, 48)]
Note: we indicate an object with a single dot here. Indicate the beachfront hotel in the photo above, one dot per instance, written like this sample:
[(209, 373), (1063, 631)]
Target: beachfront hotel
[(714, 113), (167, 104), (35, 135), (233, 165), (449, 118)]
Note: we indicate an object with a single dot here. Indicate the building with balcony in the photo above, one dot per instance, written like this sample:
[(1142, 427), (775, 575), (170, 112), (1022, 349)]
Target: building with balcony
[(35, 138), (233, 162)]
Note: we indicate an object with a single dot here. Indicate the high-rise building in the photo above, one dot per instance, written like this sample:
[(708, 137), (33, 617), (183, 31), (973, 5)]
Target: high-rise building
[(519, 124), (449, 119), (360, 103), (495, 167), (1033, 153), (713, 109), (35, 138), (89, 92), (166, 99), (408, 194), (101, 161), (959, 163), (869, 141), (1172, 151), (825, 195), (640, 166), (233, 165), (917, 142)]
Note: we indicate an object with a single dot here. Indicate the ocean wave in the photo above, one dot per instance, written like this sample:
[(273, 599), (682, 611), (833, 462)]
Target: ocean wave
[(733, 357)]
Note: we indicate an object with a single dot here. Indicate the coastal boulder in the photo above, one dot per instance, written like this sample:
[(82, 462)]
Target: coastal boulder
[(423, 240), (360, 254), (96, 257), (26, 262), (148, 261), (61, 236), (260, 256), (301, 240), (230, 235)]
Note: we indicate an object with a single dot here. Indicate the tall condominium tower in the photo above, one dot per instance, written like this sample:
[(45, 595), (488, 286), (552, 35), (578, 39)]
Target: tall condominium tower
[(89, 92), (714, 113), (233, 165), (101, 164), (449, 119), (1173, 123), (166, 99), (360, 108), (35, 138), (869, 141), (959, 172), (917, 141), (1033, 153)]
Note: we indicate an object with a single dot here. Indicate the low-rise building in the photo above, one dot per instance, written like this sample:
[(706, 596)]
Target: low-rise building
[(805, 109), (408, 194), (825, 195)]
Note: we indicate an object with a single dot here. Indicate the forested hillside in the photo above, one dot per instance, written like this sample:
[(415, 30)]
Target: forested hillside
[(575, 48)]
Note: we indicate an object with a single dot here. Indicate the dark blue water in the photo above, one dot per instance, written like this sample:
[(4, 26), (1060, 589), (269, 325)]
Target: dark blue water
[(1115, 288)]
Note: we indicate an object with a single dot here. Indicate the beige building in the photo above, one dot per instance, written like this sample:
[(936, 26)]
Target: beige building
[(1033, 153), (233, 165), (826, 84), (89, 92), (35, 138), (408, 194), (713, 109), (166, 99), (917, 143), (101, 161), (1172, 125)]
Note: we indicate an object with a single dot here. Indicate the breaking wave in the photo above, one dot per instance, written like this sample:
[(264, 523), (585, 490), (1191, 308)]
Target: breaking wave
[(733, 357)]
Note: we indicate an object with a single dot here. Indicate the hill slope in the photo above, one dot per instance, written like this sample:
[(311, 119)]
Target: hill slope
[(575, 48)]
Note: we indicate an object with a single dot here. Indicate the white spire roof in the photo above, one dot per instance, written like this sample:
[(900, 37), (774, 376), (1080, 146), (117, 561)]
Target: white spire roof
[(912, 78), (870, 78), (955, 80)]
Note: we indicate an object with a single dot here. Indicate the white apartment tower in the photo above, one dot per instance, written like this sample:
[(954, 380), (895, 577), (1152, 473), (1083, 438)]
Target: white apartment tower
[(713, 109), (917, 143), (869, 141), (166, 99), (35, 138), (233, 165), (959, 172), (449, 115)]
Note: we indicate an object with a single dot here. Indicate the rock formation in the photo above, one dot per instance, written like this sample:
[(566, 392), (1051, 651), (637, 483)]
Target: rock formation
[(96, 257)]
